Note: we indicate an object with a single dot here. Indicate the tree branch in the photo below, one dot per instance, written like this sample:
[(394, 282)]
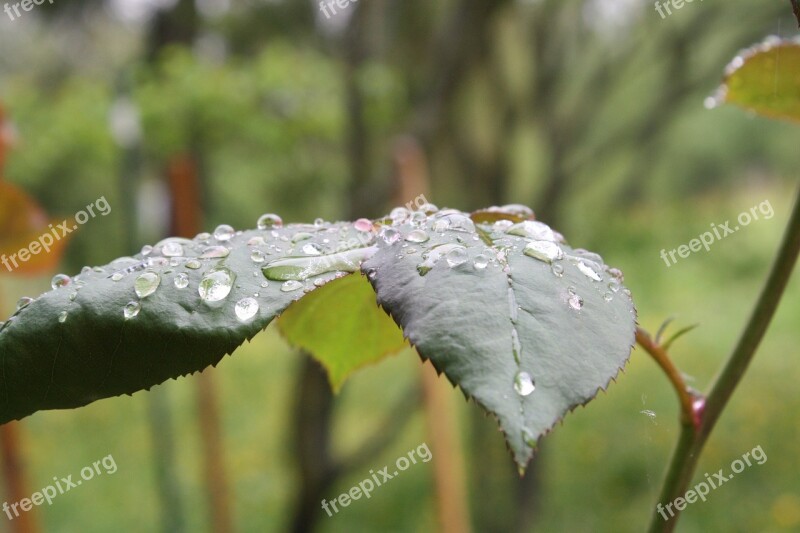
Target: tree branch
[(662, 358), (687, 453)]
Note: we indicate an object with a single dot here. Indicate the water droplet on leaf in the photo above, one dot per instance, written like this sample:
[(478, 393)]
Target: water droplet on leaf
[(291, 285), (588, 271), (246, 308), (60, 280), (480, 262), (546, 251), (214, 252), (216, 284), (181, 280), (269, 220), (523, 384), (146, 284), (223, 232), (131, 310)]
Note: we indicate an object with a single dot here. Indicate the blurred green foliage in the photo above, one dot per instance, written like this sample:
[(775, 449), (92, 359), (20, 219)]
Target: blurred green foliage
[(271, 120)]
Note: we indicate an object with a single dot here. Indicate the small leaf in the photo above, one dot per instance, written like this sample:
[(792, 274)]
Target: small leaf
[(677, 335), (142, 320), (341, 325), (765, 79), (527, 326)]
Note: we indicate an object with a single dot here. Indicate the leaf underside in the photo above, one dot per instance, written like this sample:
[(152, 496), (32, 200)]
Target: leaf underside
[(343, 328)]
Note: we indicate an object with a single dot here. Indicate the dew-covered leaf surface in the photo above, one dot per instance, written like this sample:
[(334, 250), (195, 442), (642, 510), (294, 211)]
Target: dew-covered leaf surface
[(521, 322), (172, 310)]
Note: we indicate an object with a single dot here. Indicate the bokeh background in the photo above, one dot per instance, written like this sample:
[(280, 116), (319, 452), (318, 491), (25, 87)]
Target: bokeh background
[(589, 111)]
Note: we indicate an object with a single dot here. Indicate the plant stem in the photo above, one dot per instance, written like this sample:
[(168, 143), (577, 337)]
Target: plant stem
[(662, 358), (690, 443)]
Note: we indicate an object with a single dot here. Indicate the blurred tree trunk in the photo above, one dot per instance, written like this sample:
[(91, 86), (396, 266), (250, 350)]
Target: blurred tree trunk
[(183, 173), (169, 26), (444, 436)]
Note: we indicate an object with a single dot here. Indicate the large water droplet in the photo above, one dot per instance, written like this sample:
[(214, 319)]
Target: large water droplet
[(291, 285), (546, 251), (269, 220), (523, 384), (533, 230), (181, 280), (588, 271), (457, 256), (614, 285), (417, 236), (558, 269), (480, 262), (399, 214), (131, 309), (214, 252), (363, 224), (301, 236), (616, 274), (146, 250), (432, 256), (62, 317), (312, 248), (301, 268), (194, 264), (216, 284), (146, 284), (246, 308), (440, 226), (257, 256), (157, 261), (202, 236), (172, 249), (454, 221), (223, 232), (60, 280), (428, 208), (389, 235)]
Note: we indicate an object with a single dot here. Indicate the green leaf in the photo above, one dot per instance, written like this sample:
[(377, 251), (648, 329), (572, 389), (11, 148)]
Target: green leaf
[(529, 338), (342, 326), (765, 79), (74, 345)]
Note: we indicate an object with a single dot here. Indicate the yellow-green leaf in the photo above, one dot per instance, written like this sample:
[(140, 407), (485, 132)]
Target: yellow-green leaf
[(342, 326), (765, 79)]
